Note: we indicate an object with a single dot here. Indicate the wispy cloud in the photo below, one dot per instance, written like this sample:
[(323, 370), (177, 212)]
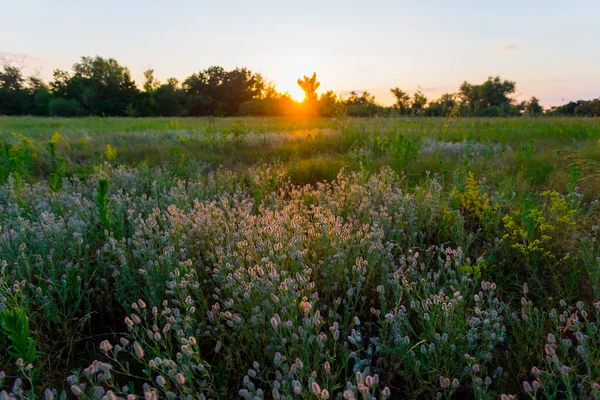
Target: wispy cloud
[(508, 47)]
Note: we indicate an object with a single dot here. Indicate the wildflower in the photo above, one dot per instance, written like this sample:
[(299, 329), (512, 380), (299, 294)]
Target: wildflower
[(110, 396), (218, 346), (76, 390), (297, 387), (316, 389), (325, 394), (150, 395), (161, 381), (136, 319), (444, 382), (275, 321), (527, 387), (180, 378), (105, 346), (305, 307), (475, 368), (564, 370), (139, 352)]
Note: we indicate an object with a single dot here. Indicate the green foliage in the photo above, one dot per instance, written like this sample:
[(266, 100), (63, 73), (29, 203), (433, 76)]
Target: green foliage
[(102, 204), (18, 156), (15, 325), (402, 100), (490, 99), (401, 150), (65, 108), (103, 87), (265, 257)]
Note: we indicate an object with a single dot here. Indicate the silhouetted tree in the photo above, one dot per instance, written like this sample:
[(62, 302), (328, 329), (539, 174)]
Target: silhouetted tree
[(491, 98), (418, 103), (309, 86), (442, 106), (215, 91), (14, 99), (402, 100), (533, 107), (362, 106), (328, 103)]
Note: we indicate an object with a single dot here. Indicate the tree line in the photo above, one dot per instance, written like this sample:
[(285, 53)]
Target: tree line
[(103, 87)]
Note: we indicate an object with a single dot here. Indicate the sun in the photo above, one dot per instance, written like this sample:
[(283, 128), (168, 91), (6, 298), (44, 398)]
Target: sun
[(294, 90), (289, 66), (297, 94)]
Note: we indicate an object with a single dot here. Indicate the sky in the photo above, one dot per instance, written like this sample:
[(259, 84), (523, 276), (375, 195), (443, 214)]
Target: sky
[(550, 48)]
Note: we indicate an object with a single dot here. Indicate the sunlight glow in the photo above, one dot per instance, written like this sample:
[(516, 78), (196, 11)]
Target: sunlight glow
[(294, 91)]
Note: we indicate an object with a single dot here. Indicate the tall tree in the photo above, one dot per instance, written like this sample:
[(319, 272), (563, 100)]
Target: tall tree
[(442, 106), (402, 100), (150, 82), (491, 98), (418, 103), (216, 91), (14, 98), (309, 86), (533, 107)]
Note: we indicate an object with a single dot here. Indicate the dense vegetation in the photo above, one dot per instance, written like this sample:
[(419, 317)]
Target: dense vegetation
[(300, 258), (102, 87)]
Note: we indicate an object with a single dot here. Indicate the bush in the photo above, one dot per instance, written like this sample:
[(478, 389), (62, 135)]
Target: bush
[(65, 108)]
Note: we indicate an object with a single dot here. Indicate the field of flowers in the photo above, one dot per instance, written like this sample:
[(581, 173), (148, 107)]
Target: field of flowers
[(300, 259)]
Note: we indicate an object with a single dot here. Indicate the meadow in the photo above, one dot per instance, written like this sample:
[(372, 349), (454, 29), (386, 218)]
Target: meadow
[(284, 258)]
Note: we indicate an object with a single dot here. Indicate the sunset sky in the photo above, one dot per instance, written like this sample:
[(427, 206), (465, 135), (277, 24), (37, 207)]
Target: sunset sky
[(550, 48)]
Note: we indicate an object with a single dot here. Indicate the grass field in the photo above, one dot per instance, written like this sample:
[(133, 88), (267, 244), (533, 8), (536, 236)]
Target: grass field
[(300, 258)]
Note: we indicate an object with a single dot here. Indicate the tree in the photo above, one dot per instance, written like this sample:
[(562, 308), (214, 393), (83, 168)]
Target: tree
[(215, 91), (150, 83), (418, 104), (14, 98), (533, 107), (309, 86), (442, 106), (102, 86), (402, 100), (491, 98), (362, 106), (328, 103), (40, 95), (60, 107)]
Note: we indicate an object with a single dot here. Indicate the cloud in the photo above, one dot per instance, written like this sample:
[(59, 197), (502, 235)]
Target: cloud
[(508, 47)]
